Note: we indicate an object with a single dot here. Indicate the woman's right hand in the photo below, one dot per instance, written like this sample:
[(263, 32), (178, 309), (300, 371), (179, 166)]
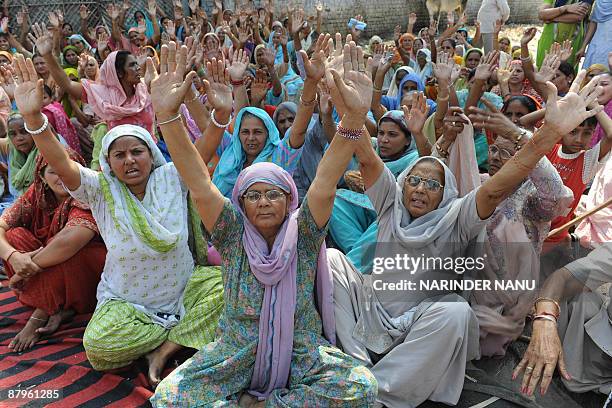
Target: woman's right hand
[(492, 120), (565, 114), (23, 265), (315, 66), (443, 69), (42, 39), (528, 35), (29, 88)]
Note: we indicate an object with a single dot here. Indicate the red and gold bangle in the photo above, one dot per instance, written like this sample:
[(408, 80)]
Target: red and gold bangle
[(351, 134), (237, 83)]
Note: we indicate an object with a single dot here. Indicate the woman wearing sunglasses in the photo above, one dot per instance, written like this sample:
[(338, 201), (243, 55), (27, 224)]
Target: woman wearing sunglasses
[(417, 343)]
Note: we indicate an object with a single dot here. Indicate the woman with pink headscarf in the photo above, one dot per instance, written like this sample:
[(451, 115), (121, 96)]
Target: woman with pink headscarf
[(118, 97)]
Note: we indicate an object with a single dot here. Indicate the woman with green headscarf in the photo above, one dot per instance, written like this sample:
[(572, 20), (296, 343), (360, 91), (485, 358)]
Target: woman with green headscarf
[(70, 56), (21, 157)]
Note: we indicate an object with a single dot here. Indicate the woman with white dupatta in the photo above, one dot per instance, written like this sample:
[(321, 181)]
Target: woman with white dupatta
[(417, 344)]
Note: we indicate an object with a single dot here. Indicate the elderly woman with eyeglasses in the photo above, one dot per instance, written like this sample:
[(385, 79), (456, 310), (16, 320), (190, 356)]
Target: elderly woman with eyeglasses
[(418, 342)]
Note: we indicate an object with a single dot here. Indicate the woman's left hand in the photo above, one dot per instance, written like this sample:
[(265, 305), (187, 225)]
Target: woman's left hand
[(217, 86), (16, 283), (168, 89), (315, 66)]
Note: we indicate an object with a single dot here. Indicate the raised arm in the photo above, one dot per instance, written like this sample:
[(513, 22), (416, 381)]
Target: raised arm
[(168, 91), (355, 88), (315, 71), (44, 45), (561, 117), (84, 18), (29, 100)]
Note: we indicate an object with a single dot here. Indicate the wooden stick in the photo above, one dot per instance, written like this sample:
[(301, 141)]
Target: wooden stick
[(580, 218)]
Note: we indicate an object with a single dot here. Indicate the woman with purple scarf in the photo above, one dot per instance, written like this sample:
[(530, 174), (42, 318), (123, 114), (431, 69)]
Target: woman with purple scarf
[(275, 341)]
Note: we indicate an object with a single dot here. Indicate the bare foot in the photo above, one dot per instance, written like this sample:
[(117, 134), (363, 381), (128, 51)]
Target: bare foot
[(157, 360), (28, 336), (54, 321), (248, 401)]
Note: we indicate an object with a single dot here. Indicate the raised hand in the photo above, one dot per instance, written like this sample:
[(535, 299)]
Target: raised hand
[(41, 38), (102, 41), (325, 99), (528, 35), (443, 69), (412, 18), (113, 11), (565, 114), (193, 6), (417, 115), (29, 88), (355, 86), (267, 58), (217, 86), (168, 89), (315, 66), (54, 20), (259, 87), (486, 66), (244, 32), (83, 12), (239, 65), (297, 21), (547, 70), (152, 8), (432, 30), (504, 73), (4, 25), (565, 50), (397, 33)]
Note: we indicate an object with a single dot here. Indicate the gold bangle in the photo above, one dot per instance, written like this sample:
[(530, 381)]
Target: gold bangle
[(172, 119), (308, 104), (547, 299)]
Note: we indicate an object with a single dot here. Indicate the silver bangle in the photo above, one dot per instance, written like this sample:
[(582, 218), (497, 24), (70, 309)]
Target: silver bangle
[(172, 119), (217, 124), (38, 131)]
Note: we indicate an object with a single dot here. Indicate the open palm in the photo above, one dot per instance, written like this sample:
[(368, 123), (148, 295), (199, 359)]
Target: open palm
[(565, 114), (355, 87), (217, 85), (240, 63), (42, 39), (29, 89), (315, 66), (168, 89)]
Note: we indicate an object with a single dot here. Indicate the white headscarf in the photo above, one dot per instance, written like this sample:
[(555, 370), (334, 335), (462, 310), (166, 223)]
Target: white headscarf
[(154, 225)]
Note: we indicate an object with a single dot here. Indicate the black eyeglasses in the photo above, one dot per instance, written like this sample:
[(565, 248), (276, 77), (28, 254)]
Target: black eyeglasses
[(503, 153), (271, 195), (430, 184)]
